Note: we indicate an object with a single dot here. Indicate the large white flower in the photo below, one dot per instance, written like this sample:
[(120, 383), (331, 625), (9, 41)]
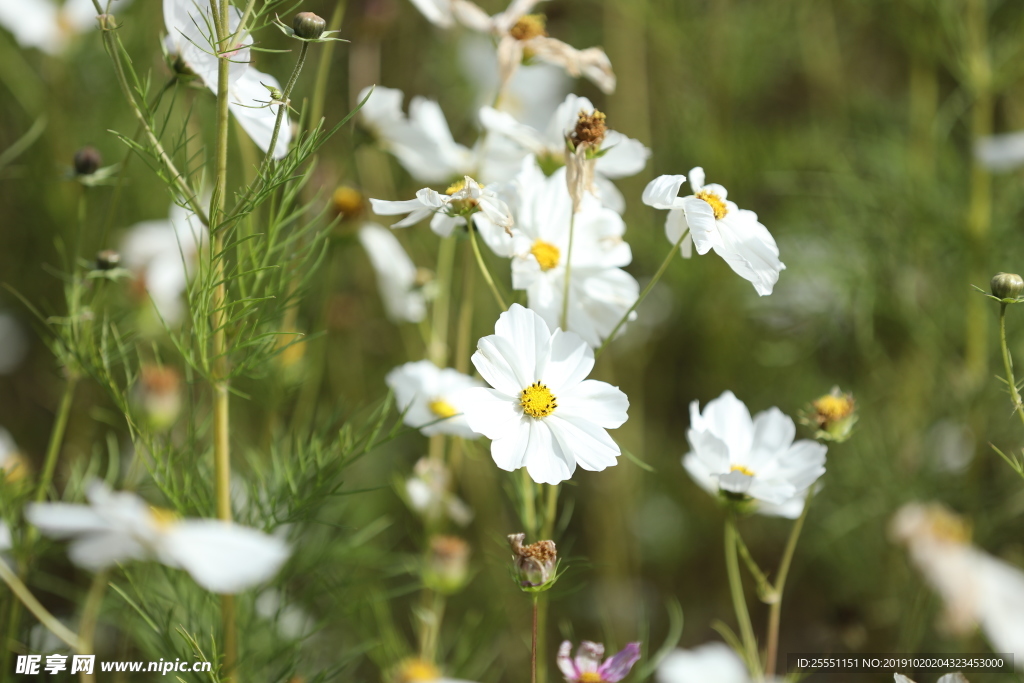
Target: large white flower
[(519, 33), (600, 292), (542, 413), (621, 156), (711, 662), (716, 223), (48, 24), (397, 276), (977, 588), (118, 526), (430, 398), (189, 26), (162, 253), (448, 210), (755, 458)]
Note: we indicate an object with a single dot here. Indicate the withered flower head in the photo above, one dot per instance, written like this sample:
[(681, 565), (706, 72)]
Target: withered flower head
[(535, 564), (529, 26), (590, 129)]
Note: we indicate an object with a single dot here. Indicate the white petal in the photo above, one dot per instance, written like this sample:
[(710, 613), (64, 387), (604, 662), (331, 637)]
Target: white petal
[(697, 179), (624, 156), (509, 452), (676, 227), (547, 462), (101, 551), (750, 251), (712, 662), (437, 12), (596, 401), (571, 362), (62, 520), (248, 92), (700, 217), (1000, 152), (489, 412), (662, 192), (223, 557), (529, 339), (588, 444), (728, 418)]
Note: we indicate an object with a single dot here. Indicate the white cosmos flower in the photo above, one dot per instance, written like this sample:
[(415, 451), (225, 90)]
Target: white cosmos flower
[(118, 526), (600, 292), (189, 26), (448, 210), (162, 253), (977, 588), (621, 156), (49, 24), (715, 662), (430, 398), (429, 493), (734, 454), (542, 413), (397, 276), (716, 223)]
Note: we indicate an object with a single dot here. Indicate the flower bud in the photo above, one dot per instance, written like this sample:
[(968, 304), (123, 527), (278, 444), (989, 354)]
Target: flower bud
[(308, 26), (87, 161), (1007, 286), (108, 259), (535, 564), (834, 414), (447, 566)]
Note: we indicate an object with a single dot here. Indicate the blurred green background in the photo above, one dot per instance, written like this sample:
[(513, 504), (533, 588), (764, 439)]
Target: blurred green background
[(847, 125)]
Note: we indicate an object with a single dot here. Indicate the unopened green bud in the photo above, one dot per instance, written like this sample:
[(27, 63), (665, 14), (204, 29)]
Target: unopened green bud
[(108, 259), (87, 161), (1007, 286), (308, 25)]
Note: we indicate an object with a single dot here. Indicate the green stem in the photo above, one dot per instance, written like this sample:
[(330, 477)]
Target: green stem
[(533, 640), (568, 272), (643, 295), (90, 616), (529, 512), (550, 511), (483, 269), (1008, 363), (438, 351), (430, 624), (739, 602), (282, 109), (56, 439), (775, 613), (23, 594)]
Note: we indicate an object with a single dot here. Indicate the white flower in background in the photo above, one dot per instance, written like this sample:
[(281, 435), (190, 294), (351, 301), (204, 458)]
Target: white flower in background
[(13, 466), (118, 526), (422, 141), (292, 622), (162, 255), (428, 493), (755, 458), (620, 156), (448, 210), (716, 223), (977, 588), (542, 413), (1000, 153), (397, 276), (600, 292), (711, 662), (429, 398), (520, 34), (49, 24), (188, 23)]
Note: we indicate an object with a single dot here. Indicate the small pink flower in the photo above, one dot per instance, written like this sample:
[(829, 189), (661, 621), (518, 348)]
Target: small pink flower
[(587, 666)]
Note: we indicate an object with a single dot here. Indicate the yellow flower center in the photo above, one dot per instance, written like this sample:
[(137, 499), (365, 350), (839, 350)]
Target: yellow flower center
[(537, 400), (528, 26), (347, 201), (590, 677), (442, 408), (547, 254), (716, 202), (457, 186), (16, 468), (832, 408), (417, 671), (742, 469), (163, 518)]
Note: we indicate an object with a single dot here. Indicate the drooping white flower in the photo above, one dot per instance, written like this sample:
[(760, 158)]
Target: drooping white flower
[(620, 156), (710, 662), (542, 413), (162, 254), (397, 276), (189, 37), (429, 494), (716, 223), (978, 590), (600, 292), (448, 210), (118, 526), (430, 398), (755, 458), (50, 25), (519, 33)]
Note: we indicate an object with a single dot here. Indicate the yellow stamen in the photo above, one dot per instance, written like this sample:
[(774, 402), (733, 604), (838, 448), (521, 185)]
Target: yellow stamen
[(831, 407), (742, 469), (547, 254), (590, 677), (163, 518), (529, 26), (442, 408), (457, 186), (537, 400), (716, 202), (417, 671)]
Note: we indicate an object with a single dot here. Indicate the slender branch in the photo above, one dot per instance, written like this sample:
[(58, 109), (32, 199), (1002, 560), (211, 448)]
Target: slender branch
[(550, 511), (643, 295), (56, 439), (568, 270), (739, 601), (485, 271), (282, 109), (438, 351), (775, 612), (23, 594), (533, 643)]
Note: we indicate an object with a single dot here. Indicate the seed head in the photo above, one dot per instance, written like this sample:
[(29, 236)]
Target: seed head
[(590, 129), (87, 161), (1007, 286), (308, 26), (535, 563)]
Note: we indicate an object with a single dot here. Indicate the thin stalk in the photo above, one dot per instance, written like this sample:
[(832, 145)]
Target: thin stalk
[(90, 616), (430, 630), (739, 601), (56, 439), (465, 326), (568, 271), (775, 612), (483, 269), (1008, 363), (533, 641), (23, 594), (438, 351), (550, 511), (529, 505), (643, 295)]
